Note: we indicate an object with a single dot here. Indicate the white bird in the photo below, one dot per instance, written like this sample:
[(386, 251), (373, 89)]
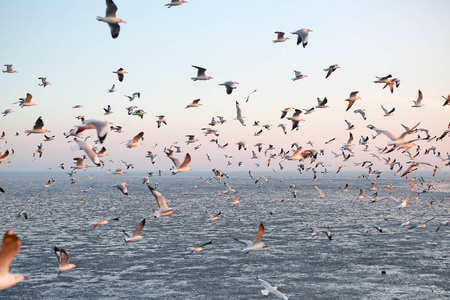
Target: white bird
[(80, 164), (25, 101), (164, 210), (295, 119), (418, 102), (330, 70), (239, 116), (133, 96), (195, 103), (362, 112), (316, 232), (101, 126), (386, 112), (322, 103), (111, 19), (280, 37), (9, 69), (283, 127), (38, 127), (108, 110), (136, 140), (271, 289), (181, 167), (87, 148), (136, 234), (302, 36), (10, 248), (351, 100), (122, 187), (443, 223), (175, 3), (256, 243), (229, 189), (112, 89), (63, 260), (350, 126), (191, 139), (200, 248), (298, 75), (120, 73), (230, 86), (369, 228), (236, 200), (161, 120), (7, 112), (402, 203), (44, 81), (201, 74)]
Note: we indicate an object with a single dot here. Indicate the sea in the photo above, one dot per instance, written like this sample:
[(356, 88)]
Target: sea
[(408, 262)]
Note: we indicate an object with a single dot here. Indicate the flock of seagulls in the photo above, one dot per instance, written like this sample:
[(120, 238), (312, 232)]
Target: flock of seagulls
[(308, 160)]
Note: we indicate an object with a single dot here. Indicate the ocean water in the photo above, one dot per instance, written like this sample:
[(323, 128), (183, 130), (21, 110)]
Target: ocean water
[(160, 266)]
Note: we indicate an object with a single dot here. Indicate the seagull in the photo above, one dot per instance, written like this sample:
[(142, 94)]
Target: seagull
[(298, 75), (101, 127), (175, 3), (63, 260), (391, 83), (136, 234), (181, 167), (201, 74), (322, 103), (108, 110), (418, 102), (295, 119), (350, 126), (44, 81), (122, 187), (164, 210), (3, 156), (200, 248), (271, 289), (112, 89), (230, 86), (9, 69), (38, 127), (120, 73), (10, 248), (280, 37), (362, 112), (80, 164), (236, 200), (256, 243), (191, 139), (161, 120), (316, 232), (195, 103), (132, 97), (24, 214), (25, 101), (402, 203), (351, 100), (215, 217), (111, 19), (139, 112), (369, 228), (87, 148), (386, 112), (283, 127), (7, 112), (136, 141), (102, 222), (239, 116), (330, 70), (303, 36)]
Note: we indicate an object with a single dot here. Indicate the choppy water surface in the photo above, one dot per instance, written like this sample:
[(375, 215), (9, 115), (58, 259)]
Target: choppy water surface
[(159, 266)]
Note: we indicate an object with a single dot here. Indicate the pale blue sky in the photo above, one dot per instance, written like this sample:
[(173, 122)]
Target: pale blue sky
[(62, 41)]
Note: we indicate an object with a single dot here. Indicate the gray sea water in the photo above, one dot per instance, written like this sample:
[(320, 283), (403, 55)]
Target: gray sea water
[(160, 266)]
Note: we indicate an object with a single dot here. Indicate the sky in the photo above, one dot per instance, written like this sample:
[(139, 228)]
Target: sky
[(63, 41)]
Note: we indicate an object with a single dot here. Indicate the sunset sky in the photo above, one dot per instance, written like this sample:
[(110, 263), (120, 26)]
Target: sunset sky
[(62, 40)]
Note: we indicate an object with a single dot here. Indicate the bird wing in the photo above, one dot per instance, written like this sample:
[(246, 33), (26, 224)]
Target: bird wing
[(63, 257), (139, 228), (138, 137), (9, 250), (28, 98), (207, 243), (259, 235), (111, 8), (39, 123), (246, 242), (186, 161), (350, 104), (160, 200)]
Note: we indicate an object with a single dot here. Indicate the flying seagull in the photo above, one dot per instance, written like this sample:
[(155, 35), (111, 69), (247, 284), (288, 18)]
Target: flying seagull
[(201, 74), (164, 210), (351, 100), (256, 243), (280, 37), (303, 36), (136, 234), (330, 70), (111, 19), (63, 260), (271, 289), (120, 72), (230, 86), (175, 3)]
